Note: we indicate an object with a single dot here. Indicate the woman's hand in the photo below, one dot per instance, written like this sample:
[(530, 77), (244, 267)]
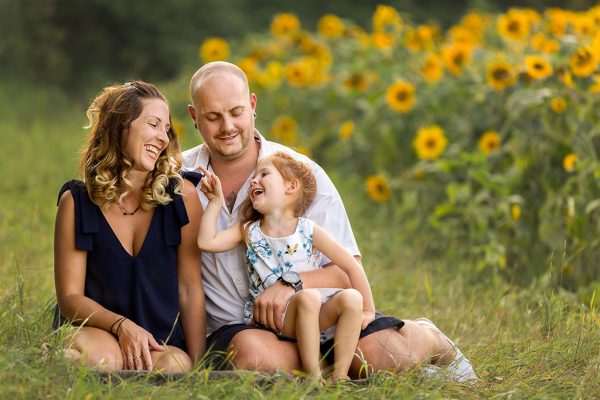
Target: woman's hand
[(368, 316), (136, 344)]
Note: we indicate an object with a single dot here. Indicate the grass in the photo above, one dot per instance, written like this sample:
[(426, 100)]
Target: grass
[(537, 341)]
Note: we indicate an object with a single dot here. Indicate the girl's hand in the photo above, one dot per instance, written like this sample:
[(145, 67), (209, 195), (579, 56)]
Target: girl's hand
[(368, 316), (210, 185), (136, 344)]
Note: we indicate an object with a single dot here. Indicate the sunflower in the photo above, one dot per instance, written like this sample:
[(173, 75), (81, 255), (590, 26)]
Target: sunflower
[(378, 188), (489, 142), (455, 57), (431, 69), (214, 49), (303, 150), (331, 26), (297, 73), (284, 24), (421, 38), (500, 75), (595, 86), (460, 34), (356, 81), (400, 96), (386, 19), (515, 212), (475, 21), (543, 44), (514, 25), (320, 52), (271, 75), (595, 43), (419, 174), (567, 79), (584, 25), (284, 129), (533, 17), (569, 162), (558, 20), (382, 40), (306, 71), (303, 40), (346, 129), (317, 68), (250, 67), (178, 127), (594, 14), (583, 62), (538, 67), (430, 142), (558, 105)]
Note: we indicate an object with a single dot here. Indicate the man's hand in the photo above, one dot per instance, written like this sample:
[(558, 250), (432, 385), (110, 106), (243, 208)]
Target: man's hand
[(270, 305)]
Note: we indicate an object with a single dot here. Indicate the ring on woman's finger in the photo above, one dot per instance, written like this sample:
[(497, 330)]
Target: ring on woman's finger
[(136, 357)]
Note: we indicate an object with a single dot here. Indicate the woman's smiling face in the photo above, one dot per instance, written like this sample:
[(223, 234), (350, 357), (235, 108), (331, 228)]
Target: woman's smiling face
[(147, 135)]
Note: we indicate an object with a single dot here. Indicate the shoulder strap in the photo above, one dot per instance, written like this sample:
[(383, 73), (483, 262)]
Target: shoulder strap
[(192, 176), (86, 214), (174, 217)]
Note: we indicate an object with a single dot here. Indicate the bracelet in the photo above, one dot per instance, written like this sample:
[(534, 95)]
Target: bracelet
[(119, 327), (114, 323)]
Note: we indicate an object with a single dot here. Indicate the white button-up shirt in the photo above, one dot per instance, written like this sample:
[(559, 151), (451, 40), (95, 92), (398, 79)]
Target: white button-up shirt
[(224, 275)]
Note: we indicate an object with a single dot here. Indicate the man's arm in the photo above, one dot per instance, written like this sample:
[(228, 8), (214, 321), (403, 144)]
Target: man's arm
[(272, 301), (331, 276)]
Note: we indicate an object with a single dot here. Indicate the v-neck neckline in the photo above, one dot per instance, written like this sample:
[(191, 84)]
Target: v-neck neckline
[(114, 235)]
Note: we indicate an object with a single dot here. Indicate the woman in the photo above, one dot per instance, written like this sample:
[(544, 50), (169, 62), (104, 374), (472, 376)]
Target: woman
[(127, 268)]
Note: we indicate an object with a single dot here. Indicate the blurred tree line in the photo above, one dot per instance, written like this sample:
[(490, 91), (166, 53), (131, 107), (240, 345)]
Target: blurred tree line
[(80, 44)]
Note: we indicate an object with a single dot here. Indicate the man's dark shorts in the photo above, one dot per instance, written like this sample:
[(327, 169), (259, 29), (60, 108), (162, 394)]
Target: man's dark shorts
[(218, 342)]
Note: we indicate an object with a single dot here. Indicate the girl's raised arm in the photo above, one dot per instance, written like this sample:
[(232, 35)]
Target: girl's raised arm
[(208, 238)]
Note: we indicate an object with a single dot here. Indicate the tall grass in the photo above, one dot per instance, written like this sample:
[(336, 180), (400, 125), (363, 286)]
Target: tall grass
[(538, 341)]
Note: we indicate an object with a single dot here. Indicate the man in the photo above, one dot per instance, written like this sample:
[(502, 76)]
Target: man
[(223, 110)]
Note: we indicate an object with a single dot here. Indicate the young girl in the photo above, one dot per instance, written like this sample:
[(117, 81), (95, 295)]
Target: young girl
[(280, 243)]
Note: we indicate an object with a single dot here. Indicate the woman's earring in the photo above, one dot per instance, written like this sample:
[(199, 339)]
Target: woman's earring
[(254, 113), (195, 125)]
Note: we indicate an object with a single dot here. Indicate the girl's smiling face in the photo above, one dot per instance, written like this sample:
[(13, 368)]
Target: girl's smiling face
[(146, 137), (268, 188)]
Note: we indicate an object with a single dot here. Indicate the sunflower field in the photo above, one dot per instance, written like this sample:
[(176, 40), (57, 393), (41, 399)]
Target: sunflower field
[(482, 138)]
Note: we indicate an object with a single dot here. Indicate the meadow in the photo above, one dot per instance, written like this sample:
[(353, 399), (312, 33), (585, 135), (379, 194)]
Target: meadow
[(468, 163)]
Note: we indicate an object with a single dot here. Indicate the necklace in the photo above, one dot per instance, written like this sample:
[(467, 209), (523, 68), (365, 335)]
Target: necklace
[(125, 212)]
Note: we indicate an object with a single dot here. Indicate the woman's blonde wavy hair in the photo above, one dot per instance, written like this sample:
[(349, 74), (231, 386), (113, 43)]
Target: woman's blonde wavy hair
[(104, 166)]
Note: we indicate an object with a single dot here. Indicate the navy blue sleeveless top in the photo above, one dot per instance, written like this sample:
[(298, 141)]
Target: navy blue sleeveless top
[(144, 287)]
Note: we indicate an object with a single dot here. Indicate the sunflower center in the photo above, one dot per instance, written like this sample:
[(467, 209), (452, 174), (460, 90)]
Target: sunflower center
[(583, 57), (430, 143), (500, 74), (459, 58), (514, 26), (380, 188), (401, 95), (356, 81), (538, 66)]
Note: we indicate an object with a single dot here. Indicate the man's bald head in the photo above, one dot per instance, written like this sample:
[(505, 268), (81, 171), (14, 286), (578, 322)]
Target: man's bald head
[(214, 70)]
